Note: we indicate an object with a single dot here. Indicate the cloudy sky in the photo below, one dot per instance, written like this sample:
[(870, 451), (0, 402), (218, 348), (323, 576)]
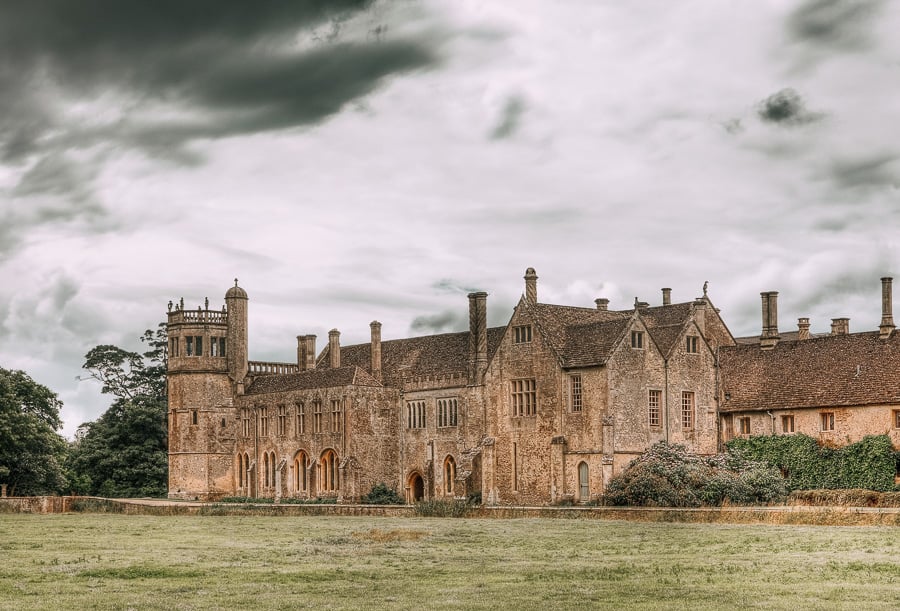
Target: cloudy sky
[(378, 160)]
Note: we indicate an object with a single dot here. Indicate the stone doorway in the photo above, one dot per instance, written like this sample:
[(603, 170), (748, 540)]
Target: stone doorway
[(416, 488)]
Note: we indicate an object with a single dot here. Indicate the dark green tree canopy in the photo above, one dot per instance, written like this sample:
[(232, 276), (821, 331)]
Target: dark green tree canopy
[(124, 452), (31, 451)]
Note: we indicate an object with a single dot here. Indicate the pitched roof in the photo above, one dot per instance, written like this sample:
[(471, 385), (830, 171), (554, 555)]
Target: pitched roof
[(785, 336), (664, 323), (312, 378), (435, 355), (583, 337), (833, 370)]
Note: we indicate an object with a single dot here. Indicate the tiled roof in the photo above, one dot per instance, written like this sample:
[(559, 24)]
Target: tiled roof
[(580, 337), (665, 323), (833, 370), (313, 378), (416, 356), (786, 336), (583, 337)]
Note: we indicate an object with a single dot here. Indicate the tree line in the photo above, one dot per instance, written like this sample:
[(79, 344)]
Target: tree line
[(121, 454)]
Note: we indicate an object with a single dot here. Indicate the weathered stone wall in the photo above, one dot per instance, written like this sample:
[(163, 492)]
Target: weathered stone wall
[(366, 444), (851, 424)]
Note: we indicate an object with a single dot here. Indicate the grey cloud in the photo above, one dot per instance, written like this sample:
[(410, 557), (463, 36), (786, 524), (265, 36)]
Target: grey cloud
[(733, 126), (448, 285), (448, 320), (872, 171), (510, 118), (180, 72), (834, 24), (786, 107)]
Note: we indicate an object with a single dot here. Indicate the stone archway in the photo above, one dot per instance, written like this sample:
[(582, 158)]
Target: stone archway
[(416, 487)]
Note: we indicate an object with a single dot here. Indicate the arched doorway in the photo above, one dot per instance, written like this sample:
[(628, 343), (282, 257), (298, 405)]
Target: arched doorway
[(416, 488), (328, 472), (301, 472)]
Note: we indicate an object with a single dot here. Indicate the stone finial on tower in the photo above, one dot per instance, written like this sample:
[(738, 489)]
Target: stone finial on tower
[(531, 285), (769, 336), (667, 296), (887, 315), (236, 341), (375, 328)]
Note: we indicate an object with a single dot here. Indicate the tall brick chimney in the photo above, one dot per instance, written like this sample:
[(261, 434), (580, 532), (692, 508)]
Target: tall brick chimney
[(301, 352), (602, 303), (667, 296), (769, 336), (477, 336), (531, 285), (375, 326), (840, 326), (310, 352), (334, 348), (802, 328), (887, 311)]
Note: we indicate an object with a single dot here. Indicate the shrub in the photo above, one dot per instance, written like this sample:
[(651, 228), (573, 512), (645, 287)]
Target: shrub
[(670, 476), (380, 494), (868, 464)]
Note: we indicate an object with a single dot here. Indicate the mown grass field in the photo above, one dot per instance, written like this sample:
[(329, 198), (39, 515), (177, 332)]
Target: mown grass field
[(94, 561)]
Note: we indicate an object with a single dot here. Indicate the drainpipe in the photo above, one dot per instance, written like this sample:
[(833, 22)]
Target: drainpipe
[(666, 398), (772, 416)]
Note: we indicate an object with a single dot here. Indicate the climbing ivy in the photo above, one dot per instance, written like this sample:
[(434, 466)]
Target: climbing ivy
[(870, 463)]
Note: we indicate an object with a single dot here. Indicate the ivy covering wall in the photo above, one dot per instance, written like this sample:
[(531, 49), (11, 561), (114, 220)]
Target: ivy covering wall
[(870, 463)]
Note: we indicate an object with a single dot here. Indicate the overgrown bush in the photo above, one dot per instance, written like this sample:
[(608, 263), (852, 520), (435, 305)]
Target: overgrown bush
[(868, 464), (380, 494), (670, 476), (439, 508)]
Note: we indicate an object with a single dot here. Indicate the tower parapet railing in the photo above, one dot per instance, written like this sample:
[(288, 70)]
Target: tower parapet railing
[(262, 368), (198, 316)]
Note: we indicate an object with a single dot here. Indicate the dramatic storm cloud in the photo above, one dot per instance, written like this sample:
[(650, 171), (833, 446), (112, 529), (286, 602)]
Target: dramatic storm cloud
[(359, 160)]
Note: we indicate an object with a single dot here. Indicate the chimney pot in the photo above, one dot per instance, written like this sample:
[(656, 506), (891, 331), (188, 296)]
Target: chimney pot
[(667, 296), (840, 326), (334, 348), (802, 328), (887, 314), (769, 336), (375, 327), (531, 285), (602, 303), (477, 336)]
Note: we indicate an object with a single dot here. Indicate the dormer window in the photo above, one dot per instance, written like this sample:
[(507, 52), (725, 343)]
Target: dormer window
[(522, 334), (637, 339)]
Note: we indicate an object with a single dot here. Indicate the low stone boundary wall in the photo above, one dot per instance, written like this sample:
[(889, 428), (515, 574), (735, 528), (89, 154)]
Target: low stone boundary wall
[(781, 514)]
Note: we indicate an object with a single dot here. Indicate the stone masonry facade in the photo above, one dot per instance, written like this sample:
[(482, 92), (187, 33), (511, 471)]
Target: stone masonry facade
[(544, 409)]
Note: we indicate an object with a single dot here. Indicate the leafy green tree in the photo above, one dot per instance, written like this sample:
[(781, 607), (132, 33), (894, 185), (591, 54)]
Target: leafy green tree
[(124, 452), (32, 453)]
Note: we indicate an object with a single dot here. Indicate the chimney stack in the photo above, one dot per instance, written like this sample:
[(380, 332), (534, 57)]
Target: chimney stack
[(887, 311), (478, 335), (375, 326), (334, 348), (769, 336), (667, 296), (531, 285), (306, 352), (802, 328), (602, 303), (840, 326)]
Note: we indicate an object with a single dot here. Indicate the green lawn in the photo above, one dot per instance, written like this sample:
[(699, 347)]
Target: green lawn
[(94, 561)]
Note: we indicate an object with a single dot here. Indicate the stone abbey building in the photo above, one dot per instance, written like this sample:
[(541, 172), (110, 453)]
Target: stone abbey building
[(543, 409)]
